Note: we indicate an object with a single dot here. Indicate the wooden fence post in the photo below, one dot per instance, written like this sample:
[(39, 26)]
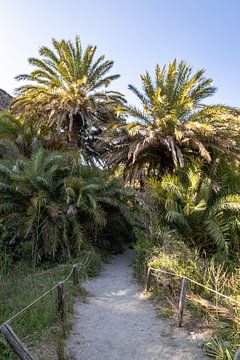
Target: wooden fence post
[(75, 275), (148, 280), (182, 300), (61, 301), (237, 355), (15, 343)]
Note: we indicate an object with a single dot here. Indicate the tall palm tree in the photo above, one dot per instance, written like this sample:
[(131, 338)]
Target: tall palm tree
[(172, 125), (66, 92)]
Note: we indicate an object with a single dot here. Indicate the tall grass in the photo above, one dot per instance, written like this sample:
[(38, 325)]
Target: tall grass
[(170, 254), (21, 286)]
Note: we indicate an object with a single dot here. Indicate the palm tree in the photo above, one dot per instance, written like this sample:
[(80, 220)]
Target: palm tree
[(16, 140), (66, 92), (30, 205), (202, 209), (173, 125), (55, 203), (101, 202)]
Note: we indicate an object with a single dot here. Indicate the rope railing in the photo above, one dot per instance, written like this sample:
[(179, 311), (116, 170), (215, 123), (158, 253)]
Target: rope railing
[(12, 339), (197, 283), (185, 279), (21, 351)]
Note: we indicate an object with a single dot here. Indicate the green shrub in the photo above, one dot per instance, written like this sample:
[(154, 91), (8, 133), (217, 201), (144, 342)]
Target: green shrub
[(201, 206), (53, 206)]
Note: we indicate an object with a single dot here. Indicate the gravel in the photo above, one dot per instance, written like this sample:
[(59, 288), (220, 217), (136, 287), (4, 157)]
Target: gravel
[(118, 322)]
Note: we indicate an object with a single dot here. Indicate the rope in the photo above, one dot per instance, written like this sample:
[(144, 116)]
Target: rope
[(39, 298), (197, 283)]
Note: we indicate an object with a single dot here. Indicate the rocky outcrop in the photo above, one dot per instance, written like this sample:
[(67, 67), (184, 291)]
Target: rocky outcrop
[(5, 100)]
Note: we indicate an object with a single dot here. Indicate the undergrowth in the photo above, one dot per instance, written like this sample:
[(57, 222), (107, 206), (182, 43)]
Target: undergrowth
[(40, 324), (167, 252)]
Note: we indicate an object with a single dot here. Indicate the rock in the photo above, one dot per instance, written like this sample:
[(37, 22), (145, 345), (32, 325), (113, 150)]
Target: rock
[(200, 344), (5, 100)]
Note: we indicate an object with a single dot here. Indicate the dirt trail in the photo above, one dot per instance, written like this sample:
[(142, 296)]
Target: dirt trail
[(117, 323)]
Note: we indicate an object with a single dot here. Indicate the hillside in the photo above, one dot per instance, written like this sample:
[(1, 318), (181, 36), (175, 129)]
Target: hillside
[(5, 100)]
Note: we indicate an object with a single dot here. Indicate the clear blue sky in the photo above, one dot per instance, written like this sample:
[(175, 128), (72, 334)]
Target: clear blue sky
[(136, 34)]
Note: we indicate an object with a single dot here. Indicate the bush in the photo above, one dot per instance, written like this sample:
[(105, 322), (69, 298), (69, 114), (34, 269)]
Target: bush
[(202, 208), (53, 206)]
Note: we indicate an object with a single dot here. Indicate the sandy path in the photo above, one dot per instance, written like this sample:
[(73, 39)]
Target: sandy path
[(117, 323)]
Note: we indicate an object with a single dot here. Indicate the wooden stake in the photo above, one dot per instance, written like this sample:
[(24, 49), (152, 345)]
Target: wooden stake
[(61, 301), (15, 343), (148, 280), (182, 300), (75, 275)]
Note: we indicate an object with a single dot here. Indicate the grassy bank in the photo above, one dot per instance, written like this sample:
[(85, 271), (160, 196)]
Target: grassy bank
[(39, 326), (204, 312)]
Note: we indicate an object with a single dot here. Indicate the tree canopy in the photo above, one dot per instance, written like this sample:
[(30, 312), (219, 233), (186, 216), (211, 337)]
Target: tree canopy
[(66, 93), (173, 126)]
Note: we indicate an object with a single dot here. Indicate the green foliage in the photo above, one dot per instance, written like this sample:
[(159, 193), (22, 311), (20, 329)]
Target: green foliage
[(5, 262), (166, 313), (166, 251), (143, 251), (40, 323), (65, 93), (202, 208), (224, 344), (16, 139), (174, 256), (173, 126), (215, 348), (9, 126), (5, 350), (54, 205), (57, 199)]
